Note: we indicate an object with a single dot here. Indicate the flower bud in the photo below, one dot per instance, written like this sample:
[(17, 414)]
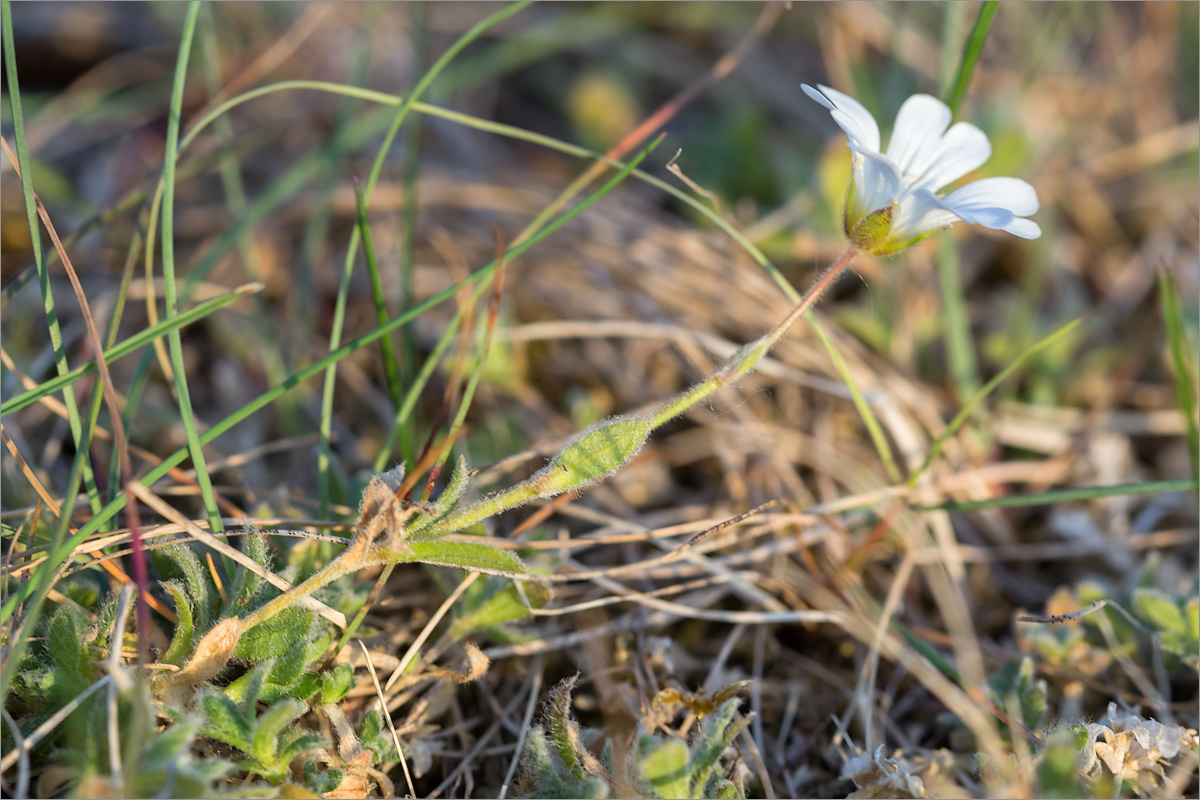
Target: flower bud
[(593, 454)]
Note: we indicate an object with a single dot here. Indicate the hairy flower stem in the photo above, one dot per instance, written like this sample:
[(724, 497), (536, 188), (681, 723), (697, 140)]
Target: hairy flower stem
[(745, 359), (590, 456), (579, 464), (355, 557)]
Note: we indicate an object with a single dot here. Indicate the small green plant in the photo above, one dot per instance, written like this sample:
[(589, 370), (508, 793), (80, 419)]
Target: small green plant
[(559, 763), (268, 737)]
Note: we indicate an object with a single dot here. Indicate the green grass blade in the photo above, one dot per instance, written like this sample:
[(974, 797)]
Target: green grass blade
[(860, 401), (974, 402), (266, 398), (960, 347), (971, 53), (35, 236), (391, 369), (1184, 360), (1064, 496), (170, 293), (324, 462), (410, 170), (127, 346)]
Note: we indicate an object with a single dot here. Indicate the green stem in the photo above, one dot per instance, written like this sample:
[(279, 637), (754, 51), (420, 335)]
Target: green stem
[(170, 292)]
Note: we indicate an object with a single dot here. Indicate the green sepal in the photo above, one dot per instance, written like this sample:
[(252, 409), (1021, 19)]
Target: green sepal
[(890, 248), (870, 234)]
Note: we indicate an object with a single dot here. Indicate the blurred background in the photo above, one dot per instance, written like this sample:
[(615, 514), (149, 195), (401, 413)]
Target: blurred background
[(1095, 104)]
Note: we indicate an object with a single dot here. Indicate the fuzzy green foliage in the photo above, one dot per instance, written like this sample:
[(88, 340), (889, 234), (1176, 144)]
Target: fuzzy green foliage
[(492, 604), (558, 763), (375, 736), (1143, 614), (52, 676), (267, 736), (1176, 621), (1020, 681), (1058, 770)]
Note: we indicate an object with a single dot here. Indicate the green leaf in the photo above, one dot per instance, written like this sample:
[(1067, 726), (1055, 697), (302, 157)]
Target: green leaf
[(467, 555), (564, 730), (1160, 611), (371, 726), (322, 782), (274, 636), (665, 769), (300, 688), (245, 583), (1193, 618), (290, 664), (65, 642), (181, 640), (1020, 680), (184, 563), (268, 726), (716, 733), (225, 721), (1058, 774), (166, 748), (722, 789), (336, 683), (294, 745), (502, 606)]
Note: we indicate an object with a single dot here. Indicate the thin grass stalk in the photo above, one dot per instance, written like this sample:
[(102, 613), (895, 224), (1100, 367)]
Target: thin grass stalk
[(387, 352), (1184, 361), (410, 171), (170, 294), (126, 347), (960, 347), (981, 395), (1064, 496), (170, 462), (35, 235), (324, 475), (970, 54)]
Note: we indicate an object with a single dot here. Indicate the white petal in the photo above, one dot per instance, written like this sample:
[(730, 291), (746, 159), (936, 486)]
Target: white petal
[(1025, 228), (918, 133), (1011, 194), (963, 149), (876, 181), (921, 211), (850, 115), (996, 204)]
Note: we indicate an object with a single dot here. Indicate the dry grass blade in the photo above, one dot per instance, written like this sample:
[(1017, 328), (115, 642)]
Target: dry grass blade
[(140, 573), (383, 709), (427, 631)]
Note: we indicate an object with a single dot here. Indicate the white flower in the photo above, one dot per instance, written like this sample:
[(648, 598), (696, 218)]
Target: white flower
[(892, 201)]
